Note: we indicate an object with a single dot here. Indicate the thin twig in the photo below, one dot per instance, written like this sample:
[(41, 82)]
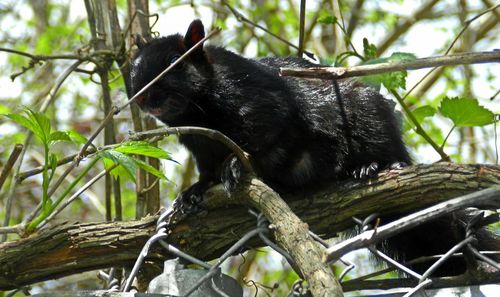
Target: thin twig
[(151, 186), (34, 171), (16, 151), (37, 58), (343, 72), (19, 229), (301, 27), (394, 263)]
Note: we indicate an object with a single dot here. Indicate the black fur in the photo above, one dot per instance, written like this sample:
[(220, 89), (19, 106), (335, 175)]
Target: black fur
[(299, 132), (294, 129)]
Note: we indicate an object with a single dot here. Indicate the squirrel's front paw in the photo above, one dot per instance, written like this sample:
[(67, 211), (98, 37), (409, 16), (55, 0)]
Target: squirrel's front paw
[(189, 200), (366, 171), (231, 173)]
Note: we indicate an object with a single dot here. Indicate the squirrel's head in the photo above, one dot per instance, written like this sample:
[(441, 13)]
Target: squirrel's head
[(177, 91)]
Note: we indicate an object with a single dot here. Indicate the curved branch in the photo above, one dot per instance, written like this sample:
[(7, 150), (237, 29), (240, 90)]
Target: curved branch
[(212, 134)]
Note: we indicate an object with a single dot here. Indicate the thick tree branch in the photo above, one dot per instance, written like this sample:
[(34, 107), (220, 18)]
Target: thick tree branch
[(343, 72), (67, 249)]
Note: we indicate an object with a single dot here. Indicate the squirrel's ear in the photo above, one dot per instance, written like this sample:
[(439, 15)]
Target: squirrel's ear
[(195, 33), (140, 41)]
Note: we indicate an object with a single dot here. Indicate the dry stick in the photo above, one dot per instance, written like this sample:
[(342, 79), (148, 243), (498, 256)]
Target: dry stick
[(16, 151), (57, 57), (18, 229), (489, 195), (343, 72)]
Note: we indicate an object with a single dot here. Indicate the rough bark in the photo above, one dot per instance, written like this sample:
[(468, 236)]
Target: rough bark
[(293, 235), (67, 249)]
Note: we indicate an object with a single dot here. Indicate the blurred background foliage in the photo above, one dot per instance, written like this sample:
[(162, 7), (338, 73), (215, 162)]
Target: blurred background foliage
[(420, 27)]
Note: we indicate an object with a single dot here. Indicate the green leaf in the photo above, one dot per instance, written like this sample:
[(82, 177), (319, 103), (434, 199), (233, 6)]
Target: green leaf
[(36, 122), (121, 159), (420, 113), (327, 19), (22, 120), (77, 137), (145, 166), (369, 50), (41, 121), (402, 56), (4, 110), (395, 80), (423, 112), (391, 80), (466, 112), (142, 148), (59, 136)]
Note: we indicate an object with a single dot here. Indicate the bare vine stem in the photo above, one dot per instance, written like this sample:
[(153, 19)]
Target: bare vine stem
[(362, 70)]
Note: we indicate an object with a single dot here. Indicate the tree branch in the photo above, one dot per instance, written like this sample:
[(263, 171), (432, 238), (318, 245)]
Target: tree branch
[(16, 151), (343, 72), (67, 249), (293, 235)]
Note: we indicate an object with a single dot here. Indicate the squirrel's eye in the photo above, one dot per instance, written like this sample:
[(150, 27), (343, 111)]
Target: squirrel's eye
[(180, 65), (174, 58)]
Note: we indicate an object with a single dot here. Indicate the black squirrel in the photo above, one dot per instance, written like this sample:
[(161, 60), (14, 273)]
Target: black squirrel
[(299, 132)]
